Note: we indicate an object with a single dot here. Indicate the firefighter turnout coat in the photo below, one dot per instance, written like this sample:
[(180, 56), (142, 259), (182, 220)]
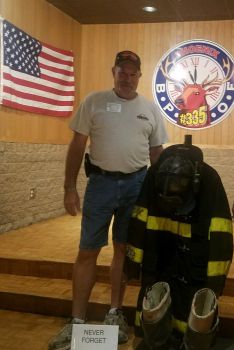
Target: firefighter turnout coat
[(188, 252)]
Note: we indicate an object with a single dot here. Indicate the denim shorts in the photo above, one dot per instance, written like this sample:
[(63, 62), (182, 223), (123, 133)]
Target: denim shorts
[(108, 197)]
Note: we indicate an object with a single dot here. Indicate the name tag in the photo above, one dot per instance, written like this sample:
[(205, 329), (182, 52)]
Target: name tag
[(113, 107)]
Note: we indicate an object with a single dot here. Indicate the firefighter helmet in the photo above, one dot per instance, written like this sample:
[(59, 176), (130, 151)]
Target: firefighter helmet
[(176, 181)]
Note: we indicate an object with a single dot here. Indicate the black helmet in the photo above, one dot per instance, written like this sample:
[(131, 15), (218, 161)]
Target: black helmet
[(176, 179), (174, 176)]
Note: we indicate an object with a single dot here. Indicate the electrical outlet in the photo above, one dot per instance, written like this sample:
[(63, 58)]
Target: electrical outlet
[(32, 193)]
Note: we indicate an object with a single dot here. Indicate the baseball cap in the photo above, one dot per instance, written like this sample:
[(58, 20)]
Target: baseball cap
[(128, 56)]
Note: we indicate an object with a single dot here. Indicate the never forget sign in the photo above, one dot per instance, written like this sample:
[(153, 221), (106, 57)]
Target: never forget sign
[(94, 337)]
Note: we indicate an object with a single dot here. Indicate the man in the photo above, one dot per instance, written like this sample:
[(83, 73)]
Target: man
[(180, 238), (125, 130)]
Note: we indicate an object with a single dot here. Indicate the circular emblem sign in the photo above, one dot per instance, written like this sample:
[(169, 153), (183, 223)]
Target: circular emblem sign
[(193, 84)]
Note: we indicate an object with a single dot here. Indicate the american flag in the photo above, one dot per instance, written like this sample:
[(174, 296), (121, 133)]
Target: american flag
[(34, 76)]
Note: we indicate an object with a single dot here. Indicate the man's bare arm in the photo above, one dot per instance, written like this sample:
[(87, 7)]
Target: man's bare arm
[(155, 153), (73, 163)]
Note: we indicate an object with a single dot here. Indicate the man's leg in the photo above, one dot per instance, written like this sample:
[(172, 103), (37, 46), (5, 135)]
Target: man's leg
[(115, 315), (84, 274), (118, 284), (128, 189), (84, 277)]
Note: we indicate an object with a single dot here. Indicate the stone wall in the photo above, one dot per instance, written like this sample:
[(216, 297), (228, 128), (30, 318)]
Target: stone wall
[(24, 167), (41, 167), (222, 159)]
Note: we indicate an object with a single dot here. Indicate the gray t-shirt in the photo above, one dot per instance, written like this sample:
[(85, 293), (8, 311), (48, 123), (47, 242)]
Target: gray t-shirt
[(121, 131)]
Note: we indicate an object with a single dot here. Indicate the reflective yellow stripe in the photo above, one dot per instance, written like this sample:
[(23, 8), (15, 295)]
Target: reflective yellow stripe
[(134, 254), (165, 224), (138, 319), (161, 223), (180, 326), (220, 224), (218, 268), (140, 213)]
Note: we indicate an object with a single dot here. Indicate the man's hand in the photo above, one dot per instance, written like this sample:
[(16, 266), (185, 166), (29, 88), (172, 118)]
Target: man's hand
[(72, 202), (73, 163)]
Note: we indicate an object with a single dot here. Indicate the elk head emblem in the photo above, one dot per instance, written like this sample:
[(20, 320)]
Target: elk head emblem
[(192, 96)]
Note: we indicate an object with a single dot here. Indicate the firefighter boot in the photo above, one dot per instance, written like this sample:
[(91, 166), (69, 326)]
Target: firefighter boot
[(156, 317), (202, 321)]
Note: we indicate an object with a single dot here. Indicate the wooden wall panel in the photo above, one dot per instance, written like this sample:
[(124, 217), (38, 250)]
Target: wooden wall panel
[(47, 24), (95, 47), (152, 40)]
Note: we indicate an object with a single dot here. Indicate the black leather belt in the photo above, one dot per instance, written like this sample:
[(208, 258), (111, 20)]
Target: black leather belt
[(95, 169)]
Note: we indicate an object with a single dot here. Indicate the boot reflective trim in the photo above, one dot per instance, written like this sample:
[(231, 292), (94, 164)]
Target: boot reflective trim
[(179, 325), (218, 268), (156, 302), (134, 254), (166, 224), (220, 225), (203, 311), (138, 319)]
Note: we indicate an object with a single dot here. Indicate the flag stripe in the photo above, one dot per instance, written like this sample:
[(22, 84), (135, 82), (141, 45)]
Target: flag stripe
[(45, 85), (55, 59), (27, 102), (38, 92), (52, 63), (47, 93), (50, 73), (59, 52), (33, 97), (56, 80), (33, 109), (56, 70)]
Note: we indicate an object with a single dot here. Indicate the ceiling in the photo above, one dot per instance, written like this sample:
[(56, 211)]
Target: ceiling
[(130, 11)]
